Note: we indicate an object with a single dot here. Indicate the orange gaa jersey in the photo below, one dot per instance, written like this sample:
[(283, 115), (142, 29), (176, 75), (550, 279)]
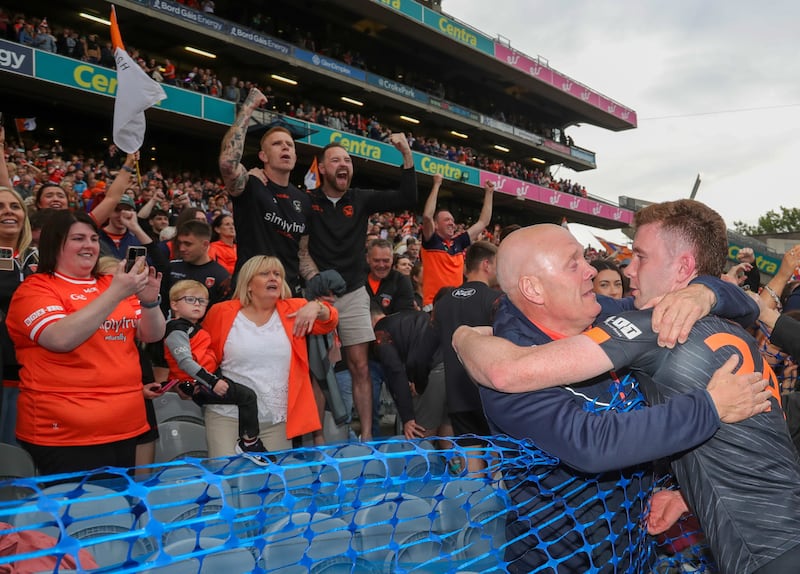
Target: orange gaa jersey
[(443, 264), (90, 395)]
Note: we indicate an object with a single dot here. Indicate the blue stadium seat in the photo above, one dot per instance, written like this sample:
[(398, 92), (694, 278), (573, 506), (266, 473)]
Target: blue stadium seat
[(420, 552), (357, 474), (414, 460)]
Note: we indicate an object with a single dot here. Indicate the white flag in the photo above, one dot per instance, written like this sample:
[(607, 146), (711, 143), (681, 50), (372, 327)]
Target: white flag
[(311, 179), (136, 92)]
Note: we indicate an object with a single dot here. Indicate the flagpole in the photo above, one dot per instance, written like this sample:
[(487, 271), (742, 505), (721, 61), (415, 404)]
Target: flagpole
[(19, 135), (138, 175)]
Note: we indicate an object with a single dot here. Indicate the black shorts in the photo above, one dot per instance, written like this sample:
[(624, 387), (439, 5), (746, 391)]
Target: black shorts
[(58, 459), (469, 423), (152, 434)]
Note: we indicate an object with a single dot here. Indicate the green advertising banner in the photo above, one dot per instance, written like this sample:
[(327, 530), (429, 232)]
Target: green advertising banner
[(355, 145), (385, 153), (458, 31), (100, 80), (217, 110), (407, 7)]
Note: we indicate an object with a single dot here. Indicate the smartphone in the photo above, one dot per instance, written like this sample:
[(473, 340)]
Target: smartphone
[(6, 259), (165, 386), (133, 252)]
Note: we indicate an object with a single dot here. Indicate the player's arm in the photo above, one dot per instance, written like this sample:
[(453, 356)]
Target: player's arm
[(501, 365), (430, 207), (675, 314), (234, 174), (486, 213)]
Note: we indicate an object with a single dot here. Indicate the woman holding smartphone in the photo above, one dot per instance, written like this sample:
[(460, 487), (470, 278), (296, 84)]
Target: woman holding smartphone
[(80, 403)]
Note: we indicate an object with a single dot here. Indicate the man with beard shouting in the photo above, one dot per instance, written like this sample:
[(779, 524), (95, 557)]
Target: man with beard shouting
[(336, 234)]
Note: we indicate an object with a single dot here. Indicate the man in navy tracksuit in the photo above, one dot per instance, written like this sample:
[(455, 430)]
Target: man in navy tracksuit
[(582, 514)]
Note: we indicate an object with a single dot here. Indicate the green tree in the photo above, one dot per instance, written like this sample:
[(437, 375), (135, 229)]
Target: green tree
[(788, 220)]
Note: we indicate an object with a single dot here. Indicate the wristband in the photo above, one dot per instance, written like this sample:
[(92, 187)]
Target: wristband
[(128, 169), (775, 297), (151, 305)]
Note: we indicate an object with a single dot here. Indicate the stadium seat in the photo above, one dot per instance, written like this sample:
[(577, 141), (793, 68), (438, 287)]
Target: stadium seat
[(170, 407), (471, 516), (183, 499), (15, 462), (179, 439), (231, 561), (297, 542), (88, 512), (417, 460), (357, 473), (384, 522), (418, 552), (345, 565)]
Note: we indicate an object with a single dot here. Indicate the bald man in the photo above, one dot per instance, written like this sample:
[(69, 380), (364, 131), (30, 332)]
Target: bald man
[(589, 427)]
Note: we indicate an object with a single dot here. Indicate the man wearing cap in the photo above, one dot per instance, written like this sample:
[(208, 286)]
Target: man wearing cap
[(117, 235)]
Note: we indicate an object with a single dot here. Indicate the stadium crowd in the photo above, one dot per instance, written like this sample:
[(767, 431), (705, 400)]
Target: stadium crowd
[(72, 43)]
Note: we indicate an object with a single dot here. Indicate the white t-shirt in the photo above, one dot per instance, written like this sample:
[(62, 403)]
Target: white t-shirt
[(258, 357)]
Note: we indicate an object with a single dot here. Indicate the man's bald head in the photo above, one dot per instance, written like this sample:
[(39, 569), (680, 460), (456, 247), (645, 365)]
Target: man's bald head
[(542, 270), (521, 253)]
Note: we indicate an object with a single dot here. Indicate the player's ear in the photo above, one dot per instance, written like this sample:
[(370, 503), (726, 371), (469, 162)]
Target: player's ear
[(263, 157), (687, 266)]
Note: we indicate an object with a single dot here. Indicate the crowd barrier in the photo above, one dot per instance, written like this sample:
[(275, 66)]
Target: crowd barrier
[(389, 506)]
